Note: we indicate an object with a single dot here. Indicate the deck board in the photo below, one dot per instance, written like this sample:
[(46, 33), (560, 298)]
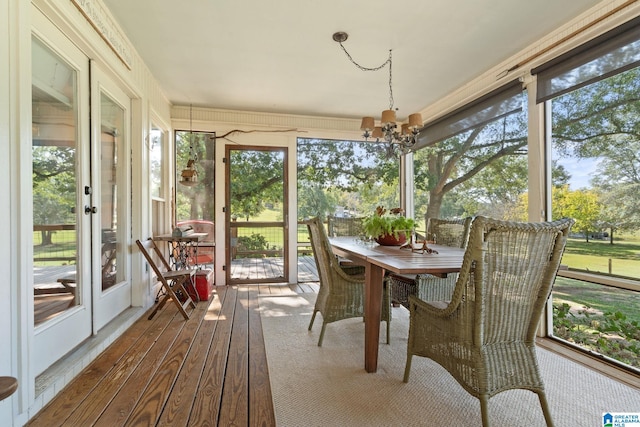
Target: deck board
[(206, 407), (137, 376), (261, 410), (210, 370), (152, 401), (235, 398), (180, 402)]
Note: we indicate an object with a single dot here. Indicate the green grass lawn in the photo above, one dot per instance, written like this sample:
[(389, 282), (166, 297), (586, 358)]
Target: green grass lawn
[(601, 299), (63, 245), (623, 257)]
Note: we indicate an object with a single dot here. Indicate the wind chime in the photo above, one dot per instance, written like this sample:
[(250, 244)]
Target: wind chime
[(189, 175)]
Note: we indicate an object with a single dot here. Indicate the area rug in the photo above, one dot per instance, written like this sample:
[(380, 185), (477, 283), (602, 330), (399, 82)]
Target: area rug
[(328, 386)]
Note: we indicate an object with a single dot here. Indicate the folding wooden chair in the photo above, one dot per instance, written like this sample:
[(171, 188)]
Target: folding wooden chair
[(173, 281)]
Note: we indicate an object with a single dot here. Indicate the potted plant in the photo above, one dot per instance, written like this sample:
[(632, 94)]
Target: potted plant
[(389, 229)]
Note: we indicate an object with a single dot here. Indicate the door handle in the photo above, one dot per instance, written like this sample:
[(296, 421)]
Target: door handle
[(90, 210)]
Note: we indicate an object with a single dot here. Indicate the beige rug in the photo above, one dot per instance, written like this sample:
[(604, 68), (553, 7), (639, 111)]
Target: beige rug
[(328, 386)]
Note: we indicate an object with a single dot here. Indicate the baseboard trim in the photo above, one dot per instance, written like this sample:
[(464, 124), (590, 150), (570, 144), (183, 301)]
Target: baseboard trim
[(602, 366)]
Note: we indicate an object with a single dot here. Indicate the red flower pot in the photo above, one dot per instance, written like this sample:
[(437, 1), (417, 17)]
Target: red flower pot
[(390, 239)]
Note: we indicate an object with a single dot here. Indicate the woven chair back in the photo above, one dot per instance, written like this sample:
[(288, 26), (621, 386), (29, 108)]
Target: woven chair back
[(339, 226), (508, 271), (322, 252), (448, 231)]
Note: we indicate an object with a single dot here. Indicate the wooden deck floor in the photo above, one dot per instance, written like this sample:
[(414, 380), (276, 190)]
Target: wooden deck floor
[(208, 371), (263, 268), (49, 305)]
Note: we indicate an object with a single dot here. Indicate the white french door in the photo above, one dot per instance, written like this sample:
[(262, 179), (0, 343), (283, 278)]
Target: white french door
[(60, 153), (111, 197), (81, 196)]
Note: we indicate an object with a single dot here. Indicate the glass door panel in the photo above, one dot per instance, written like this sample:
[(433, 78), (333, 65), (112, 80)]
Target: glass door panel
[(110, 177), (55, 184), (256, 215), (112, 128), (62, 299)]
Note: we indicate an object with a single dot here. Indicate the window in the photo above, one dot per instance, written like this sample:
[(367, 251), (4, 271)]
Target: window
[(196, 201), (347, 179), (156, 150), (474, 160), (591, 94)]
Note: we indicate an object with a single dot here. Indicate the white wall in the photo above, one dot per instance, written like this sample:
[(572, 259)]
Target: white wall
[(6, 288), (16, 295)]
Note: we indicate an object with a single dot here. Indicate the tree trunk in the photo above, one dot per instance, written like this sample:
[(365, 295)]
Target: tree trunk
[(435, 203), (46, 237)]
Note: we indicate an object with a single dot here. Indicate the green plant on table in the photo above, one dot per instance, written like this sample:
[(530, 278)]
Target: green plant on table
[(382, 223)]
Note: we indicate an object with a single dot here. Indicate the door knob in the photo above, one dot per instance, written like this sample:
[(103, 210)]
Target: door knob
[(90, 209)]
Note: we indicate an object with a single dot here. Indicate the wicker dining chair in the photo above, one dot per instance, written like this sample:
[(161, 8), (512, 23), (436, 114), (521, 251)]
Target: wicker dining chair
[(352, 226), (484, 336), (341, 295), (339, 226), (445, 231)]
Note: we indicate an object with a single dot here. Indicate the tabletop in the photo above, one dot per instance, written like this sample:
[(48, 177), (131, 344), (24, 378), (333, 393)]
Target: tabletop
[(444, 260)]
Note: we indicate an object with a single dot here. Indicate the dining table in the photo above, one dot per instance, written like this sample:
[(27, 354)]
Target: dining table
[(377, 259)]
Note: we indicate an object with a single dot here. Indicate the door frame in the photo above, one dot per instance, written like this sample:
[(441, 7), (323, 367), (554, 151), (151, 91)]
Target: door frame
[(285, 210), (111, 302), (56, 337)]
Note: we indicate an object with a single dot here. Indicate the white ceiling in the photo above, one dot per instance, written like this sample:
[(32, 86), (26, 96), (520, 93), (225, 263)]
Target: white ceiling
[(279, 55)]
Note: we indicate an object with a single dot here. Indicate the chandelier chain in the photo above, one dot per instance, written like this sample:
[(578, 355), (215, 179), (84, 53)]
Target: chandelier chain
[(192, 152), (389, 61), (400, 139)]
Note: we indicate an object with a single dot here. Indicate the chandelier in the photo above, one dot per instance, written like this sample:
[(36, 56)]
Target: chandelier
[(404, 137)]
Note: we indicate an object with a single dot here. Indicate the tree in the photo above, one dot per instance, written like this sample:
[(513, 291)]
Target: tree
[(618, 185), (54, 187), (357, 175), (196, 202), (451, 164), (314, 201), (345, 165), (581, 205), (257, 179), (495, 190), (483, 169), (600, 121)]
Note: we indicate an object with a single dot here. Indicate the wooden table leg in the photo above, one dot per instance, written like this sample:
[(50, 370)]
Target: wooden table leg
[(374, 276)]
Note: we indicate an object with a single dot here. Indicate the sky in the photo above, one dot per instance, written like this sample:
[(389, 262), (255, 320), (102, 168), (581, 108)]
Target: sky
[(579, 169)]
